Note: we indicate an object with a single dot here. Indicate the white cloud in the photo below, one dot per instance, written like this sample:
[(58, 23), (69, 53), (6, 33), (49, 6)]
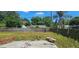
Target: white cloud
[(26, 11), (40, 13)]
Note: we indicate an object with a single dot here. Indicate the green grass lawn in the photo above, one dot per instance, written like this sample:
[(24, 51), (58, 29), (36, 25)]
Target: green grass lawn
[(61, 41)]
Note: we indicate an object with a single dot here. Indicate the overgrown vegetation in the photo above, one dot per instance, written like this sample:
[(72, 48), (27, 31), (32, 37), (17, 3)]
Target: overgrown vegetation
[(74, 21), (61, 41), (73, 33)]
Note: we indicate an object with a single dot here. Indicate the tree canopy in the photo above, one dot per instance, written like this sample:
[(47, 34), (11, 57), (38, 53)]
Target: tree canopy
[(74, 21), (47, 21), (10, 18), (27, 22), (42, 21), (37, 21)]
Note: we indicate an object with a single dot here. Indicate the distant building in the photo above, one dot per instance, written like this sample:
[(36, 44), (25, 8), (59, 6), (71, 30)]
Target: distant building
[(23, 26), (23, 23)]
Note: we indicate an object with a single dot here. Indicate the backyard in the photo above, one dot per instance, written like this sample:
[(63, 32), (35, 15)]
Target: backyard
[(61, 41), (37, 26)]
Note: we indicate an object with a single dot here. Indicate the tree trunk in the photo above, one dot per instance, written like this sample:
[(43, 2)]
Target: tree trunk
[(61, 23)]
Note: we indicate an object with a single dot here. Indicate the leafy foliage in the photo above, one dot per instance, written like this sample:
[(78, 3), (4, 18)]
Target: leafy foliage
[(37, 21), (28, 23), (10, 18), (74, 21), (13, 23), (47, 21), (42, 21), (60, 15)]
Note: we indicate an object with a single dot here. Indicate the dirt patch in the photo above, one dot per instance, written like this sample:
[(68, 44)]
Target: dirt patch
[(7, 40)]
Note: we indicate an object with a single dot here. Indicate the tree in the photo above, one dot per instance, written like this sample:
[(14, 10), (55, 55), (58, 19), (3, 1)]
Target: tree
[(27, 22), (59, 19), (60, 16), (67, 21), (1, 18), (74, 21), (55, 23), (47, 21), (37, 21), (12, 22), (12, 19)]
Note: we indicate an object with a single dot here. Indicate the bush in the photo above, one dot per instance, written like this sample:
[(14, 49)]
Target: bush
[(37, 26), (13, 23)]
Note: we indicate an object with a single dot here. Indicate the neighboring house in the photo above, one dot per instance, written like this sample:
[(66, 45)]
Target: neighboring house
[(23, 26)]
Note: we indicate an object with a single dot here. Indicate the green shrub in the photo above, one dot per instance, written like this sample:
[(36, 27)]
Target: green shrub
[(37, 26), (13, 23)]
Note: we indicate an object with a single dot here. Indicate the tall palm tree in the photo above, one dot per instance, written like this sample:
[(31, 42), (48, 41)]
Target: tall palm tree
[(60, 15), (55, 17), (68, 17), (56, 22)]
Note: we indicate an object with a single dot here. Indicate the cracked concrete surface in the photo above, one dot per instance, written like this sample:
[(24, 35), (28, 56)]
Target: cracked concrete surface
[(29, 44)]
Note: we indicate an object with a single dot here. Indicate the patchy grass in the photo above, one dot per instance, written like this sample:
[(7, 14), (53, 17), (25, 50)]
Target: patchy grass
[(61, 41), (65, 42)]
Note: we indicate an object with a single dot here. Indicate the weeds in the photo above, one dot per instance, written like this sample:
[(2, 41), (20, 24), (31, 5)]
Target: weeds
[(61, 41)]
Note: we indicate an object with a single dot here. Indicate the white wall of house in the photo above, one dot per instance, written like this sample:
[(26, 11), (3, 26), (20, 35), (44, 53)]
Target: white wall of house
[(23, 26)]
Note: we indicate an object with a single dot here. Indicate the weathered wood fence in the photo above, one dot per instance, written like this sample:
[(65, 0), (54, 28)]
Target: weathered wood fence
[(23, 29)]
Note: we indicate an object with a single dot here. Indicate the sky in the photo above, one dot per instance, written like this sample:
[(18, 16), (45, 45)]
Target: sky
[(30, 14)]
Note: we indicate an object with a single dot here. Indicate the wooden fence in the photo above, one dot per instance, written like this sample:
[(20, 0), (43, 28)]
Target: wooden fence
[(23, 29)]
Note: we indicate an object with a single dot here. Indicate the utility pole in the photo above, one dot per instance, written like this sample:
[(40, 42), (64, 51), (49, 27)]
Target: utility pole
[(51, 15), (68, 25)]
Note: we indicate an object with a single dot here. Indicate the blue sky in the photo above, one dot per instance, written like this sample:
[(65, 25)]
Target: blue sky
[(30, 14)]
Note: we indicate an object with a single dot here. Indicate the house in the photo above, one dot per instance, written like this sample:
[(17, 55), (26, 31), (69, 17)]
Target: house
[(23, 26), (23, 23)]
